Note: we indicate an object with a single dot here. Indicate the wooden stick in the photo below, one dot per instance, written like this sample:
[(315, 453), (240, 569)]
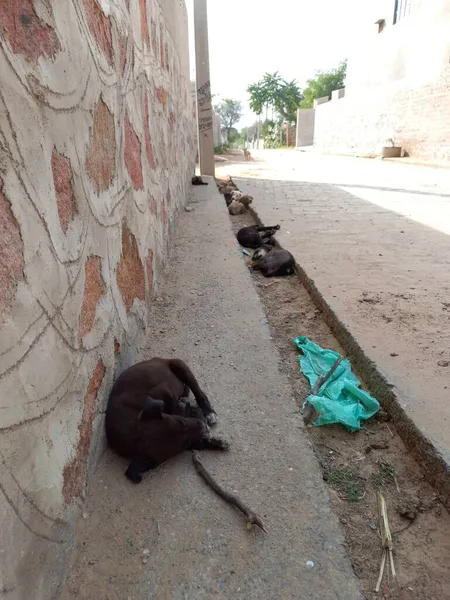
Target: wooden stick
[(251, 517), (309, 408), (386, 541), (380, 577)]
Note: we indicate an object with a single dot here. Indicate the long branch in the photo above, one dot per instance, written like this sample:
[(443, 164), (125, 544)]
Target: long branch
[(252, 518)]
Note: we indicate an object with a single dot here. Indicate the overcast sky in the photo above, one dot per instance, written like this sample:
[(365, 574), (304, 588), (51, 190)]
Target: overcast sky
[(248, 38)]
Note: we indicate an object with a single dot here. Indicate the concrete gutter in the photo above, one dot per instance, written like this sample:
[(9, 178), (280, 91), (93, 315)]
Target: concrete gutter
[(434, 464)]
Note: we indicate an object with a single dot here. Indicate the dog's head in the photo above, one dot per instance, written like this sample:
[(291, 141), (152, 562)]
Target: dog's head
[(261, 252), (246, 200)]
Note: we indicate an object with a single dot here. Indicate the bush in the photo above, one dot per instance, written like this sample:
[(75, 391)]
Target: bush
[(222, 149)]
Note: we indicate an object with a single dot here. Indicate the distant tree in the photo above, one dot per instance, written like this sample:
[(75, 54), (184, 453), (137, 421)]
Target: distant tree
[(288, 100), (323, 84), (274, 93), (230, 112)]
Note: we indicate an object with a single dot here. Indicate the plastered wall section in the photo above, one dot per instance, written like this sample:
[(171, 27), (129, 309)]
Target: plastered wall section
[(398, 86), (96, 153)]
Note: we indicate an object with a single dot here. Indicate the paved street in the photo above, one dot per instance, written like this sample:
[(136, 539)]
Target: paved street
[(373, 237)]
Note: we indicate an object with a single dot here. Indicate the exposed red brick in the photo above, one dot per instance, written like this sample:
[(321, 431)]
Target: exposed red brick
[(123, 54), (101, 155), (144, 23), (62, 180), (100, 27), (149, 268), (133, 155), (166, 55), (161, 44), (130, 272), (161, 94), (94, 289), (116, 347), (148, 142), (12, 262), (154, 39), (26, 33), (74, 472), (153, 206)]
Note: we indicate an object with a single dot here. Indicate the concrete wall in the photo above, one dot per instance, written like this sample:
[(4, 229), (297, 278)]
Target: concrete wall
[(398, 86), (305, 127), (96, 154)]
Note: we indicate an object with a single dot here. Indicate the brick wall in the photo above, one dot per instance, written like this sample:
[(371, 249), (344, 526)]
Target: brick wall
[(96, 155), (418, 119), (398, 86)]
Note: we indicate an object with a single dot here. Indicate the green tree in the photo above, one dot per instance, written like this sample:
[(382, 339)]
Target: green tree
[(230, 112), (273, 93), (323, 84), (288, 100)]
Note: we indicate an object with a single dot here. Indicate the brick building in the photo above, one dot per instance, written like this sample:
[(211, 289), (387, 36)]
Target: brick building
[(398, 84)]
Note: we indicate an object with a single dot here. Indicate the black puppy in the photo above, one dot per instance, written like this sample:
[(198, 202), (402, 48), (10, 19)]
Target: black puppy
[(273, 262), (148, 423), (255, 236), (196, 180)]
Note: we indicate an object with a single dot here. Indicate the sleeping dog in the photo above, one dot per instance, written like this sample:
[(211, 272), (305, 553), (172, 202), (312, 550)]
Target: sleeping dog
[(148, 417)]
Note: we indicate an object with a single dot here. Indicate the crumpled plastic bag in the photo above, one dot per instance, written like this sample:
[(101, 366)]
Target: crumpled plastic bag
[(340, 399)]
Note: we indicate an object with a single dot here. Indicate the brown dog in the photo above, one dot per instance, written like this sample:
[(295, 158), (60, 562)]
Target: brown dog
[(247, 154), (148, 423)]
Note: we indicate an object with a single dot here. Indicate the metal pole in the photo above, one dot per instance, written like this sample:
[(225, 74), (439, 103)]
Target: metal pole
[(204, 107)]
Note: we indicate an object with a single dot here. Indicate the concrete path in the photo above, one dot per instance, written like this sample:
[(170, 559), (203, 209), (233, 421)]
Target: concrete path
[(171, 537), (373, 241)]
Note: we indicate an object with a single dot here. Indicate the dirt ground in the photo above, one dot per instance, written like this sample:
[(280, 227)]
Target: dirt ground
[(356, 465)]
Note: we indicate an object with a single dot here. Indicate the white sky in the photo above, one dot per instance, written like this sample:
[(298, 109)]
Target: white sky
[(248, 38)]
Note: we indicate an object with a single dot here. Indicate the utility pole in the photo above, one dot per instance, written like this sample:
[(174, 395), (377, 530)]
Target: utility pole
[(204, 107)]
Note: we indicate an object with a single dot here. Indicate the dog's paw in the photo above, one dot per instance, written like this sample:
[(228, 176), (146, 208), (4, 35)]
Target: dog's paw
[(211, 418), (133, 476), (219, 444)]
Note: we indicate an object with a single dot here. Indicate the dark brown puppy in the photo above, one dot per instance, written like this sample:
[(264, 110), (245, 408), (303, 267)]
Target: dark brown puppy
[(255, 236), (273, 262), (197, 180), (147, 423)]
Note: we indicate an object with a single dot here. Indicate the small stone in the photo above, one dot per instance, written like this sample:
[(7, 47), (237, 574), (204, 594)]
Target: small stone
[(309, 564), (85, 515), (144, 561), (188, 208), (443, 363), (145, 551)]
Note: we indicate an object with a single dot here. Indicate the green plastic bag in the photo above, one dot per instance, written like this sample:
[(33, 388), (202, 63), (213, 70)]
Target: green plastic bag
[(340, 399)]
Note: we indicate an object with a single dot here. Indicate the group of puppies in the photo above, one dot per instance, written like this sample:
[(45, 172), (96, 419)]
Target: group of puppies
[(267, 258), (237, 202)]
